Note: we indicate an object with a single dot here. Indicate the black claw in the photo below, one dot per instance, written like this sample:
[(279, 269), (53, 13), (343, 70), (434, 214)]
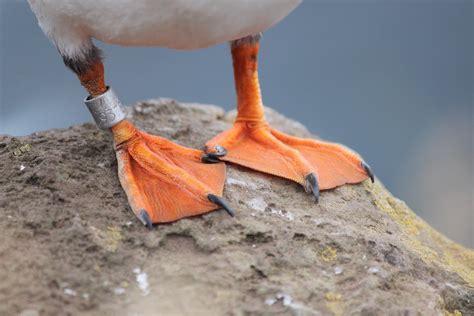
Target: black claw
[(209, 158), (145, 218), (368, 170), (312, 185), (213, 157), (221, 202)]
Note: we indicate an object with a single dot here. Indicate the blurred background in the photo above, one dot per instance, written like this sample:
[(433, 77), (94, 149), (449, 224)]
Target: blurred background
[(391, 79)]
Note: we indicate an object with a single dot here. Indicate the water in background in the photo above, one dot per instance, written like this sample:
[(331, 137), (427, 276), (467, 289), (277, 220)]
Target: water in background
[(391, 79)]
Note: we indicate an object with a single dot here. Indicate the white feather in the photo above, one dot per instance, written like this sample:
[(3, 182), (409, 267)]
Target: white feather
[(179, 24)]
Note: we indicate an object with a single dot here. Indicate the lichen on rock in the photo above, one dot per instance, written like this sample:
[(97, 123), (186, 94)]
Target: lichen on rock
[(69, 243)]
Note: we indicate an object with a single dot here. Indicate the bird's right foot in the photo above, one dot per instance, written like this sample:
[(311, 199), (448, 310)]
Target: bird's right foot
[(164, 181)]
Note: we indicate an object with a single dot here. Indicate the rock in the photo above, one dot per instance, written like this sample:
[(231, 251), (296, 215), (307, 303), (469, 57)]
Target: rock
[(29, 312), (66, 228)]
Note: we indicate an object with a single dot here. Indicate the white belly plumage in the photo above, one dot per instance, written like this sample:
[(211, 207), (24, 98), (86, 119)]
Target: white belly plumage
[(179, 24)]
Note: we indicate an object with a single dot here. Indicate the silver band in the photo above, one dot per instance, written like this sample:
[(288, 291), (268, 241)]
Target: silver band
[(106, 109)]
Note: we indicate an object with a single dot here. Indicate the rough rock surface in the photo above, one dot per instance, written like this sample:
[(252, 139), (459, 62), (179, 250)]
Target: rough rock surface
[(70, 245)]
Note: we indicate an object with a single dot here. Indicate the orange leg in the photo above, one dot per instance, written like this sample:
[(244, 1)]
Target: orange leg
[(253, 143), (163, 181)]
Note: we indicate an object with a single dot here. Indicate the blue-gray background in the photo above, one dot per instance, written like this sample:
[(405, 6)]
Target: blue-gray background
[(391, 79)]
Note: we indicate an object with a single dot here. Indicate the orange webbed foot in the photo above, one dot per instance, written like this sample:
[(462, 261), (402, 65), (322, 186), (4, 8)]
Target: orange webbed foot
[(316, 165), (253, 143), (165, 181)]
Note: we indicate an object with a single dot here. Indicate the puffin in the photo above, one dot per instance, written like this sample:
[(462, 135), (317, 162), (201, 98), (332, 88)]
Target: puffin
[(164, 181)]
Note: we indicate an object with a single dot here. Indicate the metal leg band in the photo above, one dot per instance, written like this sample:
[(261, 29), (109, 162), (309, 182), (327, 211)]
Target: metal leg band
[(106, 109)]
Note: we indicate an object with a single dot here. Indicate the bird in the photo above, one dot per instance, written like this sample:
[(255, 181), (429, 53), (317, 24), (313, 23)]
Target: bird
[(164, 181)]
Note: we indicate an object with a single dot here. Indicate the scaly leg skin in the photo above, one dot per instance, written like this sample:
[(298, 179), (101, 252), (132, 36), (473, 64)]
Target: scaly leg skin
[(163, 181), (253, 143)]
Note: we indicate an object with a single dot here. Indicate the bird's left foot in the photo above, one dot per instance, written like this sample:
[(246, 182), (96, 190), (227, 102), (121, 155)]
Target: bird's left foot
[(316, 165)]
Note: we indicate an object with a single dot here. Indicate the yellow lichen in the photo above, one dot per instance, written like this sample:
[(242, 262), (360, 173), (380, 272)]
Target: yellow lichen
[(331, 296), (21, 149), (328, 254), (334, 303), (427, 254), (401, 214), (454, 313), (109, 239), (431, 246)]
